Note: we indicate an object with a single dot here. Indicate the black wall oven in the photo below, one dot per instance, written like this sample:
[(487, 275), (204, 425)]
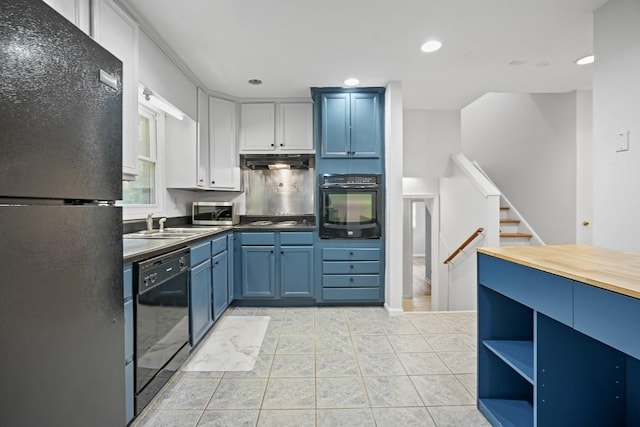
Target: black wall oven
[(351, 206), (162, 321)]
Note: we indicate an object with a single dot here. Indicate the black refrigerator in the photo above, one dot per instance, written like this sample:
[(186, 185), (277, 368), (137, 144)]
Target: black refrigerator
[(61, 302)]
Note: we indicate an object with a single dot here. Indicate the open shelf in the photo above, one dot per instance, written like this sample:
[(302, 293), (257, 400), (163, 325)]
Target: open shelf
[(517, 354), (507, 413)]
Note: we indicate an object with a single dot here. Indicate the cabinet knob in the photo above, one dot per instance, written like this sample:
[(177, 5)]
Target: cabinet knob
[(273, 145), (351, 279), (281, 252), (351, 267), (281, 145), (213, 182), (271, 251), (202, 180), (350, 253)]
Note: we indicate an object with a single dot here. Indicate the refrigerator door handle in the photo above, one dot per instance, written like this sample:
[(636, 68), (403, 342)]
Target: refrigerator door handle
[(108, 79)]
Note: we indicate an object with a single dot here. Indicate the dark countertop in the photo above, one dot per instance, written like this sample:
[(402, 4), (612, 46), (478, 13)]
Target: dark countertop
[(136, 249)]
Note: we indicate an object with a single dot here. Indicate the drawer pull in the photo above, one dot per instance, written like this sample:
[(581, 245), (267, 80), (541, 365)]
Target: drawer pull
[(351, 279), (351, 267)]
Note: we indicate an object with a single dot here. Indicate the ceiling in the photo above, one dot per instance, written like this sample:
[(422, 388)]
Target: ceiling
[(292, 45)]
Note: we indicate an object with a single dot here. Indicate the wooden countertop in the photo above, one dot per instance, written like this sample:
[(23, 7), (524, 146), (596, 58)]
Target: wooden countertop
[(609, 269)]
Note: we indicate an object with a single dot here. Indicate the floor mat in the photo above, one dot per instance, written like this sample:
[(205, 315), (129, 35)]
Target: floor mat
[(233, 345)]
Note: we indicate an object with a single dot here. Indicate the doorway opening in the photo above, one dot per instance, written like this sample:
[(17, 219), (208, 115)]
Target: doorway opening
[(417, 292)]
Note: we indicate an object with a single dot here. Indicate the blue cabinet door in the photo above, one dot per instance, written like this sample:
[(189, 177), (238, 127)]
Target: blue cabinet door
[(128, 341), (200, 301), (335, 125), (296, 271), (258, 271), (365, 125), (220, 271), (231, 251)]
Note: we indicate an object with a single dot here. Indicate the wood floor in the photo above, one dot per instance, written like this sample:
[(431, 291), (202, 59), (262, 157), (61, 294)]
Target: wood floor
[(421, 300)]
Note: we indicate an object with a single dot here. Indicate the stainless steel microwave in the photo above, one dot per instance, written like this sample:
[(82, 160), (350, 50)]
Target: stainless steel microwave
[(213, 213)]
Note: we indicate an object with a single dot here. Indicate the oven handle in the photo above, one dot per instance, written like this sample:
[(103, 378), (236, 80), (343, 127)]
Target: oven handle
[(350, 187)]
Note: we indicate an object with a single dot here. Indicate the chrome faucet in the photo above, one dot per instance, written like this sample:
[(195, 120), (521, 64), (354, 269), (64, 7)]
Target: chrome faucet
[(150, 222), (161, 222)]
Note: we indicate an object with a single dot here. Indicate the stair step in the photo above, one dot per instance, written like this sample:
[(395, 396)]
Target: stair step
[(527, 235), (509, 221)]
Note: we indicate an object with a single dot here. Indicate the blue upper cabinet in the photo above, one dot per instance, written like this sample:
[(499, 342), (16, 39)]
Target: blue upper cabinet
[(365, 126), (350, 123), (336, 128)]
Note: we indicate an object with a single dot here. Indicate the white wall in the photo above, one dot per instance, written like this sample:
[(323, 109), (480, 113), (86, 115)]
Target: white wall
[(527, 145), (430, 137), (161, 75), (584, 167), (418, 213), (616, 108), (394, 212)]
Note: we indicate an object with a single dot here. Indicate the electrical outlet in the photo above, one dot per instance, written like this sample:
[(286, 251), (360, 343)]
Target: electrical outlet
[(622, 141)]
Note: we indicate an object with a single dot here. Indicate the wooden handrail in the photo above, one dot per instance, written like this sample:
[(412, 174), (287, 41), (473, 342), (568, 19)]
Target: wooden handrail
[(464, 245)]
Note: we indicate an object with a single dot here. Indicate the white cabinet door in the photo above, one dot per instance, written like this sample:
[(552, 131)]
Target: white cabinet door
[(295, 130), (76, 11), (257, 127), (224, 172), (202, 160), (118, 33)]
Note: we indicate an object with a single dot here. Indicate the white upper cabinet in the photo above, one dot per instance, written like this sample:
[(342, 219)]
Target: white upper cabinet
[(118, 33), (224, 168), (282, 127), (295, 130), (206, 159), (76, 11), (257, 131)]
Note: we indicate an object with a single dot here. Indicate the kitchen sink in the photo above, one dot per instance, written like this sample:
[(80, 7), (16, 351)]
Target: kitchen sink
[(169, 233)]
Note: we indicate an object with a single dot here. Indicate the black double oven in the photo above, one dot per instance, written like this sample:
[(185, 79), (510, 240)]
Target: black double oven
[(350, 206)]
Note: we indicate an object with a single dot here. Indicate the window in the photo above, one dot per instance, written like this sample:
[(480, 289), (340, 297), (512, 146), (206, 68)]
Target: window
[(142, 196)]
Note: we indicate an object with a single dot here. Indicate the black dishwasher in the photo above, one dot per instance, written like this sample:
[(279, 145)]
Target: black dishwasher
[(162, 321)]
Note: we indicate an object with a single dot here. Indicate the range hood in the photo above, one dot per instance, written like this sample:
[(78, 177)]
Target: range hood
[(276, 161)]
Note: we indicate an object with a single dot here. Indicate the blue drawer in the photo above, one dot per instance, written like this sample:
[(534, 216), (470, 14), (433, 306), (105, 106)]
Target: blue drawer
[(356, 267), (545, 292), (218, 245), (350, 294), (258, 239), (350, 280), (353, 254), (608, 317), (296, 238), (200, 252)]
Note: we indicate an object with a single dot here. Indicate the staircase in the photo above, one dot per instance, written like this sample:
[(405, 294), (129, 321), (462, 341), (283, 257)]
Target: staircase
[(513, 231)]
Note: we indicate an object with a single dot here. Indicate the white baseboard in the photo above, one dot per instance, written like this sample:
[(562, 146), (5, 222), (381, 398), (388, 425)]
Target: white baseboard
[(393, 311)]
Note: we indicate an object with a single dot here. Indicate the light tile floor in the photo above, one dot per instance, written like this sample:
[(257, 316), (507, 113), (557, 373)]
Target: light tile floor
[(335, 366)]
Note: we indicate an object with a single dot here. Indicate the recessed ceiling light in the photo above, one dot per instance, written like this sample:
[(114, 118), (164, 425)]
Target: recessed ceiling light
[(585, 60), (255, 82), (351, 82), (431, 46)]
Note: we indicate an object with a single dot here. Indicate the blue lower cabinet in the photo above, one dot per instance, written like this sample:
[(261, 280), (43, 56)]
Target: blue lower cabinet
[(258, 271), (200, 318), (231, 251), (296, 271), (220, 277), (128, 340), (276, 265), (352, 272), (543, 361)]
